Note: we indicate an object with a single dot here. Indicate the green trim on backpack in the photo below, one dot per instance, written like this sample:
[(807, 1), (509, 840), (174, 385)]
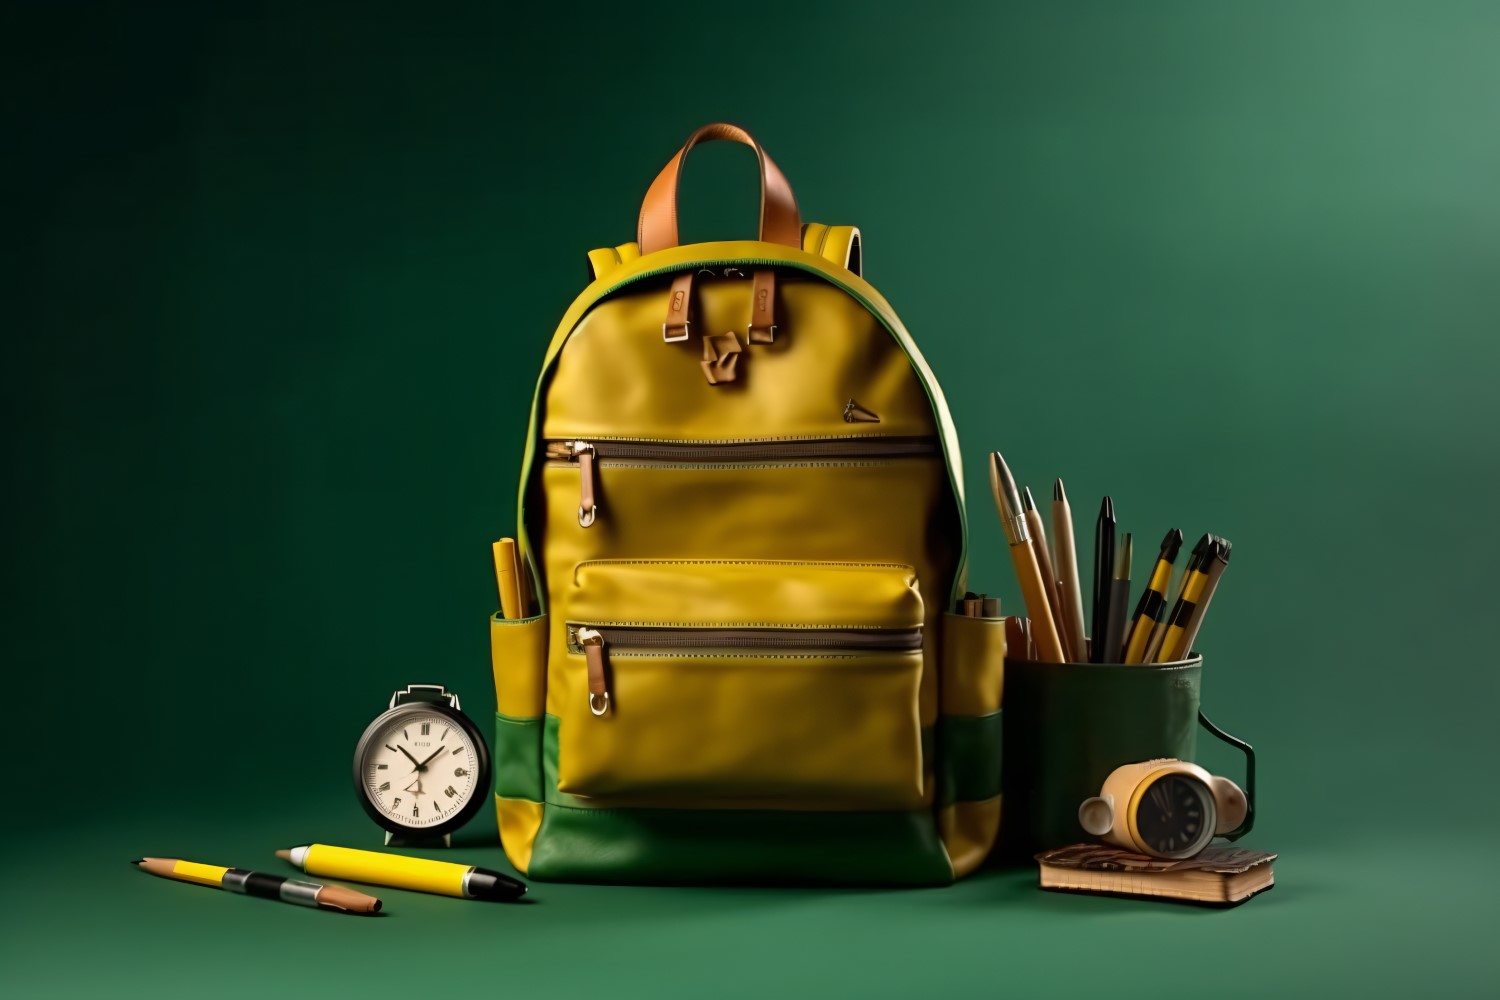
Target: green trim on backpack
[(725, 845)]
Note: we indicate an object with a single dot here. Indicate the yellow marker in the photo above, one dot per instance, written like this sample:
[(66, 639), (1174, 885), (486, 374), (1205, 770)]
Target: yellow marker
[(401, 872), (507, 579), (1153, 604), (1193, 588)]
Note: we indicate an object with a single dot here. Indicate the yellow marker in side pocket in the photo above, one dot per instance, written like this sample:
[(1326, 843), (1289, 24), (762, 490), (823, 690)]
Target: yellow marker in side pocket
[(401, 872), (506, 580)]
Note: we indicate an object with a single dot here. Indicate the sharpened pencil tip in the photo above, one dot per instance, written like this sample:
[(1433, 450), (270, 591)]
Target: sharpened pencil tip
[(139, 861), (284, 855), (1027, 502), (1057, 490)]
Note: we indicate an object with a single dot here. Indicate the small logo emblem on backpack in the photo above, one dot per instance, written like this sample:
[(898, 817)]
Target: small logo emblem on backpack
[(856, 414)]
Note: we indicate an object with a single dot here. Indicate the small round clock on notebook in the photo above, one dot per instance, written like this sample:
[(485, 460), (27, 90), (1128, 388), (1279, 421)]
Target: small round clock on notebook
[(421, 769), (1164, 808)]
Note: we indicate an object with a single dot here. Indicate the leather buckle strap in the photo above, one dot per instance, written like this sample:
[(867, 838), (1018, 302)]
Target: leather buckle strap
[(763, 308), (678, 326)]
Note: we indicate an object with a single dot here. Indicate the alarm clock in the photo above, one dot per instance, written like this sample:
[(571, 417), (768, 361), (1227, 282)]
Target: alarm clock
[(421, 769), (1164, 808)]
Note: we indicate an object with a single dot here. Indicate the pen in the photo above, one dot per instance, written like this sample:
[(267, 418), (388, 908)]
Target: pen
[(1066, 567), (1104, 564), (1013, 520), (1044, 563), (1152, 607), (1119, 600), (288, 890)]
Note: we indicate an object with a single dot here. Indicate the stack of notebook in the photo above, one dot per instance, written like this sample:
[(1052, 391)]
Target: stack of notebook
[(1219, 876)]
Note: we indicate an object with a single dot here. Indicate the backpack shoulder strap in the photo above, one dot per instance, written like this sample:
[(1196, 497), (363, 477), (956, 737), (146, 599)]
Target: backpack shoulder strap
[(606, 259), (839, 244)]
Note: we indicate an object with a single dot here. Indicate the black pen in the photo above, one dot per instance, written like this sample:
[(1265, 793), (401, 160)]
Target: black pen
[(1104, 565)]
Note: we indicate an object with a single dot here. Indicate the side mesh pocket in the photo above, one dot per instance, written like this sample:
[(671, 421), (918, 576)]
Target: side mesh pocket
[(518, 655), (973, 667)]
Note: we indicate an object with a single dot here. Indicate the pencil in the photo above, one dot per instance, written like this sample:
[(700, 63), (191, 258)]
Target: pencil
[(1152, 607), (249, 883), (1187, 602), (1044, 563), (1066, 566), (1013, 520), (1104, 564), (1119, 600), (1216, 569), (1159, 629)]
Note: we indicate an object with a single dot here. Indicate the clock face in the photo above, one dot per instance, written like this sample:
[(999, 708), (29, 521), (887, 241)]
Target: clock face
[(1176, 816), (419, 768)]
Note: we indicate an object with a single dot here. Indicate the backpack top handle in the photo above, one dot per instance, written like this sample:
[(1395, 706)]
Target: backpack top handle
[(780, 221)]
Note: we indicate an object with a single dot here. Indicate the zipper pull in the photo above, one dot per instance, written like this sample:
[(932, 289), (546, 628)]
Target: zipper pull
[(588, 506), (583, 453), (593, 653)]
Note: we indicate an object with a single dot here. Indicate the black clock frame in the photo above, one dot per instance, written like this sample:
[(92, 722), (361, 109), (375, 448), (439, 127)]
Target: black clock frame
[(1210, 814), (481, 783)]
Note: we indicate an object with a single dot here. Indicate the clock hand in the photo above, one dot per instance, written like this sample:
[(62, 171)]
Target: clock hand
[(408, 756), (423, 766)]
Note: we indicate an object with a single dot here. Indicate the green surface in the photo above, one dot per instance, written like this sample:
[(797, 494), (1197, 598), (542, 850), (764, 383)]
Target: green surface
[(276, 285)]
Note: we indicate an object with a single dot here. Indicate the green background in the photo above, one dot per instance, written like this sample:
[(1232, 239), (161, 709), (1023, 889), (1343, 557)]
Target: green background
[(277, 282)]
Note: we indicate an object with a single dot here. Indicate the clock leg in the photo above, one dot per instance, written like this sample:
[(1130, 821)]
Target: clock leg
[(417, 840)]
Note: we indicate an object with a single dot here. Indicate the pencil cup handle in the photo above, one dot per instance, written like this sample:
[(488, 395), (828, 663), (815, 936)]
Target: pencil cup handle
[(1249, 753)]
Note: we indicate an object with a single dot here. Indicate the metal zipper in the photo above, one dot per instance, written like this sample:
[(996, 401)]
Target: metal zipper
[(586, 454), (661, 637), (593, 641)]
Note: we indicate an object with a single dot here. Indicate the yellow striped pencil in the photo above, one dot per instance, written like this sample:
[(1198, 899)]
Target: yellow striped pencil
[(1152, 607), (1216, 568), (1159, 629), (1193, 587)]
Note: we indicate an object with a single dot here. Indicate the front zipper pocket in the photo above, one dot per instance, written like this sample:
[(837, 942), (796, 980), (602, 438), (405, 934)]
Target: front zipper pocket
[(755, 682), (594, 642), (587, 455)]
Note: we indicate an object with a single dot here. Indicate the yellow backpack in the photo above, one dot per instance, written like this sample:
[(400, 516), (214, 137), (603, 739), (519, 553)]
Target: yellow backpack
[(742, 516)]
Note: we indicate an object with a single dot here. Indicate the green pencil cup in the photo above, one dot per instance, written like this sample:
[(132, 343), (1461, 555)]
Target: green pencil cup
[(1068, 725)]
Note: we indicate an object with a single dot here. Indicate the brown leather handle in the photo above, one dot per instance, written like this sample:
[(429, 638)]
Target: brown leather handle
[(779, 219)]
